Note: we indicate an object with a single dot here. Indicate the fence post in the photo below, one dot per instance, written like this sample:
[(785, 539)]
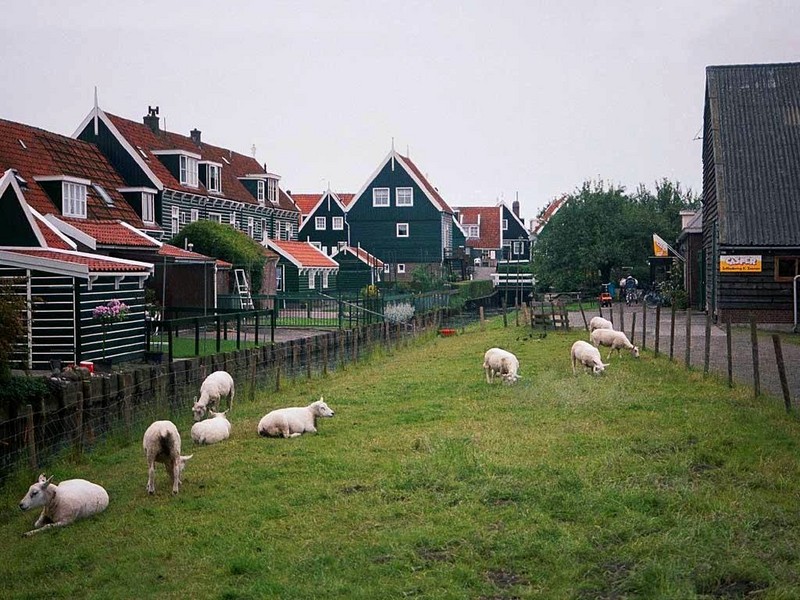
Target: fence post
[(483, 321), (295, 356), (787, 399), (238, 330), (278, 363), (621, 316), (688, 356), (219, 333), (196, 336), (325, 339), (78, 442), (633, 329), (308, 357), (355, 344), (256, 331), (341, 348), (754, 341), (658, 328), (707, 355), (672, 333), (30, 437), (505, 317), (583, 314), (730, 352), (644, 325)]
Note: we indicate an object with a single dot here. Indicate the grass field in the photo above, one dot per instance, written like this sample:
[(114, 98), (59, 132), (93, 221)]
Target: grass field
[(647, 482)]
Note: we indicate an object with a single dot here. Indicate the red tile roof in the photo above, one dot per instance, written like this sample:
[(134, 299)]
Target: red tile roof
[(34, 152), (306, 202), (176, 252), (346, 198), (303, 254), (95, 263), (364, 256), (548, 213), (489, 220), (434, 193), (51, 238), (111, 233)]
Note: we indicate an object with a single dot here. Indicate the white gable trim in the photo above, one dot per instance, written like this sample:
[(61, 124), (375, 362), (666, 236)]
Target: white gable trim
[(141, 234), (372, 177), (10, 179), (72, 231), (41, 219), (179, 152)]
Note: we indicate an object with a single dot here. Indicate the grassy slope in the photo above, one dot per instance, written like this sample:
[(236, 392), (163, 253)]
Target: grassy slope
[(647, 482)]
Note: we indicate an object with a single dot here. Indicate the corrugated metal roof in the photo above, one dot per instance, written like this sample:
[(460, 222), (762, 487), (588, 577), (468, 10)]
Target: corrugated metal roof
[(755, 120)]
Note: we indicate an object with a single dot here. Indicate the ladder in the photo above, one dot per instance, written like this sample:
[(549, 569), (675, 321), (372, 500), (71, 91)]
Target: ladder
[(245, 300)]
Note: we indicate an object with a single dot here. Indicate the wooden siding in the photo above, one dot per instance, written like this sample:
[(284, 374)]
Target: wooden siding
[(125, 340), (117, 155), (710, 131), (329, 237), (754, 291), (353, 274), (15, 229)]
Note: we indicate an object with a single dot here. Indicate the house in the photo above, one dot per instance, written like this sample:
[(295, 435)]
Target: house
[(751, 191), (690, 246), (61, 284), (175, 179), (357, 269), (495, 233), (323, 221), (302, 268), (401, 218)]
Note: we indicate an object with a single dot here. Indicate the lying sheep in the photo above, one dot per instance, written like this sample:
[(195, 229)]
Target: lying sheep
[(589, 356), (600, 323), (212, 430), (162, 443), (497, 361), (292, 422), (216, 385), (616, 340), (69, 501)]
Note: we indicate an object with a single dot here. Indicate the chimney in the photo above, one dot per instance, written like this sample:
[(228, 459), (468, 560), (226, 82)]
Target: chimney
[(151, 120), (195, 135), (515, 207)]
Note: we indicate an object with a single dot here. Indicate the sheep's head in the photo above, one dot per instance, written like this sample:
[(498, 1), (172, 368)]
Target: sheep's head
[(321, 409), (198, 410), (510, 377), (635, 351), (597, 369), (184, 460), (221, 415), (36, 494)]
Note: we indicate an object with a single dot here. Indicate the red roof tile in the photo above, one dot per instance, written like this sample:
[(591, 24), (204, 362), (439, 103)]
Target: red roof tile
[(548, 213), (427, 184), (34, 152), (95, 263), (364, 256), (346, 198), (303, 254), (306, 202), (110, 233), (53, 239), (488, 219)]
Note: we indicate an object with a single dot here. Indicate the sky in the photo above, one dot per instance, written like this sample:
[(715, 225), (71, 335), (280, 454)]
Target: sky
[(493, 100)]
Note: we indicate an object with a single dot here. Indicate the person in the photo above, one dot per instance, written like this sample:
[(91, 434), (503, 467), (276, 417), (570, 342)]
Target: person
[(630, 289), (622, 289)]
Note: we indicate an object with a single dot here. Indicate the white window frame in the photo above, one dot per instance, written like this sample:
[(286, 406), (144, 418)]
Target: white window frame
[(195, 215), (505, 224), (251, 226), (320, 223), (264, 235), (215, 216), (473, 231), (401, 268), (325, 275), (312, 280), (261, 193), (317, 245), (399, 226), (214, 178), (387, 268), (378, 199), (175, 219), (232, 219), (337, 223), (272, 191), (188, 170), (148, 207), (279, 281), (407, 200), (73, 199), (518, 247)]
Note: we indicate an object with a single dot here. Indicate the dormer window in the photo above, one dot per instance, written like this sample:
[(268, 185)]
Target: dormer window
[(261, 192), (188, 171), (148, 207), (73, 196), (505, 224), (272, 190), (214, 178), (473, 231)]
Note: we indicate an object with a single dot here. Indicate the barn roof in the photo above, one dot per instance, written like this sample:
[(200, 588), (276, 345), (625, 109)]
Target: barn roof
[(753, 116)]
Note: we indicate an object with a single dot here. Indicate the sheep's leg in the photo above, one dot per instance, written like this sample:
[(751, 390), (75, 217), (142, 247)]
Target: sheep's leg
[(609, 354), (293, 435), (174, 474), (42, 518), (48, 526), (151, 476)]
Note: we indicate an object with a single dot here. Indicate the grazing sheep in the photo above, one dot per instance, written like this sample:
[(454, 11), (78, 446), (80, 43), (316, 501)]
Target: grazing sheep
[(212, 430), (292, 422), (500, 362), (162, 443), (64, 503), (600, 323), (216, 385), (616, 340), (589, 356)]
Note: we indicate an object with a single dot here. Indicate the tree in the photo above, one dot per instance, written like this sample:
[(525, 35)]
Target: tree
[(12, 324)]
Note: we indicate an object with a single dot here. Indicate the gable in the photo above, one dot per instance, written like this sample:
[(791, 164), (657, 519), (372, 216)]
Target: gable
[(17, 228), (393, 175)]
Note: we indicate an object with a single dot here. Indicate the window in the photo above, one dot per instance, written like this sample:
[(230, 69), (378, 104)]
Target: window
[(341, 245), (473, 231), (404, 196), (184, 217), (319, 223), (312, 280), (260, 192), (325, 275), (505, 224), (216, 217), (74, 199), (188, 171), (148, 207), (213, 178), (175, 220), (264, 232), (317, 245), (233, 219), (251, 225), (380, 197), (272, 191), (519, 248), (402, 230), (337, 223), (786, 267), (103, 194), (195, 215), (401, 268), (386, 268), (279, 278)]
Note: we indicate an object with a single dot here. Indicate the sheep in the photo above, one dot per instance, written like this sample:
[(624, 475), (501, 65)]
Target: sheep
[(69, 501), (500, 362), (212, 430), (600, 323), (294, 421), (589, 356), (617, 340), (162, 443), (216, 385)]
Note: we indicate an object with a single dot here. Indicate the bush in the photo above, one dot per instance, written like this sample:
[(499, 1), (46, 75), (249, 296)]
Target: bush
[(16, 392), (399, 312)]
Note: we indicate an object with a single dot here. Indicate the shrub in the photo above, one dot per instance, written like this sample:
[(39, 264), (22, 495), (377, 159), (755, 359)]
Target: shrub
[(399, 312), (16, 392)]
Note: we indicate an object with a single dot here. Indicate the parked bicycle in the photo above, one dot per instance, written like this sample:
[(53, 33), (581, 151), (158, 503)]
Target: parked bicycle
[(657, 296)]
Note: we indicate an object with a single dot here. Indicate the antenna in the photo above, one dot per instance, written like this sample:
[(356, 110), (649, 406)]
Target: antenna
[(392, 153), (95, 111), (253, 150)]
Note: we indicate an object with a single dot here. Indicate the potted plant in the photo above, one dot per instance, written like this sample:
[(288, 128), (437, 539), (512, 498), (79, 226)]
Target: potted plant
[(107, 314)]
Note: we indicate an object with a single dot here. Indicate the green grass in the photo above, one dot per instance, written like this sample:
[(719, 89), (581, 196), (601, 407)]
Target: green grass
[(183, 347), (647, 482)]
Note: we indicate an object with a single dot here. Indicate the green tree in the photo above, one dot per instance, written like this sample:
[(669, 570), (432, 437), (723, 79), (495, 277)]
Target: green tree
[(12, 324), (225, 242)]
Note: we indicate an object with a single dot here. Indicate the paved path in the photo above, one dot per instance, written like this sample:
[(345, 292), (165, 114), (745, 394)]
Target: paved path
[(741, 347)]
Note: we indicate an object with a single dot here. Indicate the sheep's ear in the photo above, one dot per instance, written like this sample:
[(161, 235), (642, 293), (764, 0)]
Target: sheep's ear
[(185, 458), (606, 364)]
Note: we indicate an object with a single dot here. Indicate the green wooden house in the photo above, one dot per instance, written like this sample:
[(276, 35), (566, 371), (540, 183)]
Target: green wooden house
[(302, 268), (357, 269), (323, 221), (401, 218)]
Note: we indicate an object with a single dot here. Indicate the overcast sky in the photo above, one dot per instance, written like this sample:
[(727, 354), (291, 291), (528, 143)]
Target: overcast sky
[(491, 99)]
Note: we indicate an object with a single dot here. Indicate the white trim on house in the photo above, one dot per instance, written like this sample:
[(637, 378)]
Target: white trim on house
[(67, 178), (397, 230), (9, 179), (72, 231), (41, 219), (174, 151), (140, 189), (8, 256)]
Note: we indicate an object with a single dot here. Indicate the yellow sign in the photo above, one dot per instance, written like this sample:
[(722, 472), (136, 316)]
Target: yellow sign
[(740, 263), (660, 247)]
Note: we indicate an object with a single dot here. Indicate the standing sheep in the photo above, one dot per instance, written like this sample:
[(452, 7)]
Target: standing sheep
[(600, 323), (589, 356), (216, 385), (500, 362), (294, 421), (64, 503), (162, 443), (616, 340), (212, 430)]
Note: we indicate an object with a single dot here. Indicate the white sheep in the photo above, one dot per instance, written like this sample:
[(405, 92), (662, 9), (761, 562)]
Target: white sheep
[(64, 503), (589, 356), (216, 385), (500, 362), (294, 421), (212, 430), (616, 340), (600, 323), (162, 443)]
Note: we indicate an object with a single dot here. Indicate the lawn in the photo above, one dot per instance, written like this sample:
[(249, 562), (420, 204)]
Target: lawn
[(647, 482)]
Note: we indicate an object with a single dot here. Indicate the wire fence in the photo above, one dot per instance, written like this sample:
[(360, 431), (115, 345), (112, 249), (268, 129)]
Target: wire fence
[(82, 409)]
